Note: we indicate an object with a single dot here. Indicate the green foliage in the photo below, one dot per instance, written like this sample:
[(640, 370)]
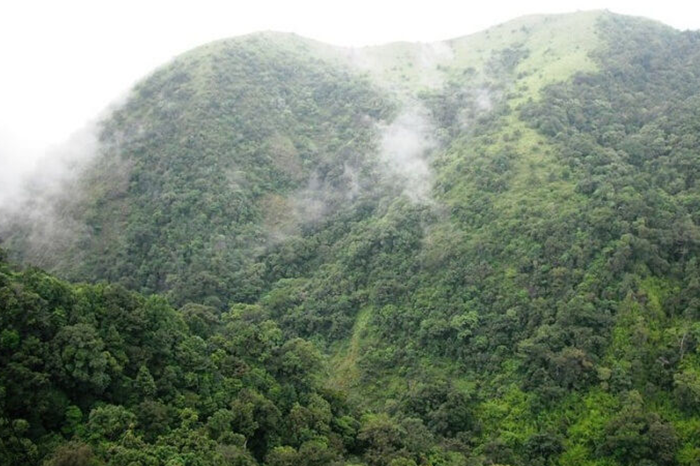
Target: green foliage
[(540, 309), (73, 454), (153, 392)]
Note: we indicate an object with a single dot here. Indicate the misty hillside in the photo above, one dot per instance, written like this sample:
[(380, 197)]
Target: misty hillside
[(482, 251)]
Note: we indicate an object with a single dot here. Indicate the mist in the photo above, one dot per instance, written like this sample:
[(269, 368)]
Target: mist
[(35, 209), (41, 208), (405, 146), (14, 170), (401, 162)]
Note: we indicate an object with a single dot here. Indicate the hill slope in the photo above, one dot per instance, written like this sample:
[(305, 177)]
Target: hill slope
[(494, 238)]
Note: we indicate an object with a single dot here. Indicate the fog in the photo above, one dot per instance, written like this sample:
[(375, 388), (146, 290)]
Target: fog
[(37, 203), (15, 162), (405, 146), (40, 197)]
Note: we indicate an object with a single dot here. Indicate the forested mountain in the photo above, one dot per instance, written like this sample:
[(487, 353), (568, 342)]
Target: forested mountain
[(474, 252)]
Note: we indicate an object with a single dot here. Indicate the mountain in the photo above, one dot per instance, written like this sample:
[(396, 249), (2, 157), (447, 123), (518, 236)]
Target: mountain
[(239, 144), (476, 251)]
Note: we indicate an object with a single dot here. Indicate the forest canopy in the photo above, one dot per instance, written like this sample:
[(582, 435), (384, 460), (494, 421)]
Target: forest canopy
[(249, 279)]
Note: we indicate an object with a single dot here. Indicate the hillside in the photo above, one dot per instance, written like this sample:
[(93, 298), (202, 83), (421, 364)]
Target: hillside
[(491, 241)]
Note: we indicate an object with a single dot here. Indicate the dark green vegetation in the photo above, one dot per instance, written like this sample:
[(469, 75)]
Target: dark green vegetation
[(540, 307), (129, 380), (95, 373)]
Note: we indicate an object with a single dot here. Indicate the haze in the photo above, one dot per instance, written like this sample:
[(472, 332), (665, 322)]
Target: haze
[(64, 62)]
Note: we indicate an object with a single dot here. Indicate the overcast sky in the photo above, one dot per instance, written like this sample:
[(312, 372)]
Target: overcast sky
[(64, 61)]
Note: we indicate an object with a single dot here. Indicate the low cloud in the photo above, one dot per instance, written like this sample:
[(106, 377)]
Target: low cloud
[(40, 214), (405, 147), (35, 214)]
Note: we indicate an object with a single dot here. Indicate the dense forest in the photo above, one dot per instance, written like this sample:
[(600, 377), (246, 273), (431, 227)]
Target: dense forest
[(479, 252), (95, 373)]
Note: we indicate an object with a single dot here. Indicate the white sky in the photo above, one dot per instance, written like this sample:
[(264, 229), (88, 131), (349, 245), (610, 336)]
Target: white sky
[(64, 61)]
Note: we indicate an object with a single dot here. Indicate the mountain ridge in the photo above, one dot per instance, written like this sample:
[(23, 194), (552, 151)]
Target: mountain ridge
[(499, 253)]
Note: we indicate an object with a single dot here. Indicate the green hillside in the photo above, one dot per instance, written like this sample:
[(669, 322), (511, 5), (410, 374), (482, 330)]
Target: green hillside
[(482, 251)]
